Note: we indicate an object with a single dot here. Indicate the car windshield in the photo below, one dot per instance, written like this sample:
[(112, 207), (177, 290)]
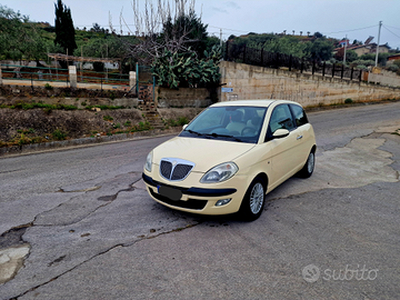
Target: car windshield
[(231, 123)]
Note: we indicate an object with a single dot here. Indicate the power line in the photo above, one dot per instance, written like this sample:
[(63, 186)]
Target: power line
[(350, 30), (391, 31), (393, 27)]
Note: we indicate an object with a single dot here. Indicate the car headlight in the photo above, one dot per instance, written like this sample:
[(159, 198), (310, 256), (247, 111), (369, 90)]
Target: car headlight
[(220, 173), (149, 161)]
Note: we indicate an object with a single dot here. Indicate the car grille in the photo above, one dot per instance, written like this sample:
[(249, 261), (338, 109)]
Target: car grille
[(175, 169)]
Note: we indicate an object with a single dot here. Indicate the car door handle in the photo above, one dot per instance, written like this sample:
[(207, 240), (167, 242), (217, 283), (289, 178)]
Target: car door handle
[(299, 137)]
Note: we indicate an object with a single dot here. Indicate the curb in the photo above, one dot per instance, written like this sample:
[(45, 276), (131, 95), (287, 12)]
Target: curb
[(84, 142)]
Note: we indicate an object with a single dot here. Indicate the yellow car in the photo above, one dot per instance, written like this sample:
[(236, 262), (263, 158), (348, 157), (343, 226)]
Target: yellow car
[(230, 156)]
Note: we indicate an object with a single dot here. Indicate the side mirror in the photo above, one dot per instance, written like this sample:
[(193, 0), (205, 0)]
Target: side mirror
[(281, 133), (184, 126)]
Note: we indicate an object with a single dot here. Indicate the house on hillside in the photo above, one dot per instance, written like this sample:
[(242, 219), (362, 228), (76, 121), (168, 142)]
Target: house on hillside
[(391, 59), (367, 48)]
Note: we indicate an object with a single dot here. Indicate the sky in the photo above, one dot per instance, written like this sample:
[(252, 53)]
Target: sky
[(356, 19)]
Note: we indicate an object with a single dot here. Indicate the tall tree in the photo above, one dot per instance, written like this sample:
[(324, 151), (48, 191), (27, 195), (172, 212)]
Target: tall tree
[(65, 31), (19, 38)]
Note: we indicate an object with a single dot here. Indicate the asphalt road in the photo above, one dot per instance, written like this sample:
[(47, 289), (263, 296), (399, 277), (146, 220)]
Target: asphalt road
[(78, 224)]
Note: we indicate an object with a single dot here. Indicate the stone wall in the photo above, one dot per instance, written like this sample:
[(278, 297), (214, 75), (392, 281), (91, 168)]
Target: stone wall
[(245, 82), (183, 97), (383, 77)]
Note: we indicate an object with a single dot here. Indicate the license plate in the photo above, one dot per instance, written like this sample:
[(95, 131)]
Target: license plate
[(170, 193)]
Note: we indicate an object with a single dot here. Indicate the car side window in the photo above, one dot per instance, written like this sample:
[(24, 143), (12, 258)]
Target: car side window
[(300, 116), (281, 118)]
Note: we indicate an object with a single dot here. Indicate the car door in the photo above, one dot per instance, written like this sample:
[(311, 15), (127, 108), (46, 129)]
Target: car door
[(305, 134), (283, 151)]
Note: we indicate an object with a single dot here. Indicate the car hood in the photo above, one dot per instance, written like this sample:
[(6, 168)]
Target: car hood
[(205, 153)]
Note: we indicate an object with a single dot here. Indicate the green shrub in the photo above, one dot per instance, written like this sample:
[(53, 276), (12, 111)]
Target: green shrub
[(348, 101), (59, 135), (48, 87)]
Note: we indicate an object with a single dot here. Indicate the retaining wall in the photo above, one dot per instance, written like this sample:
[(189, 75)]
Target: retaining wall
[(245, 82), (184, 97)]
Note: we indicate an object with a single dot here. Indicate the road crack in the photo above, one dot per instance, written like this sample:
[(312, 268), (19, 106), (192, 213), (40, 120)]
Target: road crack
[(123, 245)]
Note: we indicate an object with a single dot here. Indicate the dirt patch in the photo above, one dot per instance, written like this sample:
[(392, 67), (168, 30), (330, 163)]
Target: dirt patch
[(9, 92), (38, 125), (17, 123)]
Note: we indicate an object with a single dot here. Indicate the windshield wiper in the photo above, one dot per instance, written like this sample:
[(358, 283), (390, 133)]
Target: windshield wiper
[(195, 132), (225, 136)]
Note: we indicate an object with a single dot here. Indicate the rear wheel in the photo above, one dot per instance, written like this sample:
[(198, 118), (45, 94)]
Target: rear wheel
[(308, 168), (253, 202)]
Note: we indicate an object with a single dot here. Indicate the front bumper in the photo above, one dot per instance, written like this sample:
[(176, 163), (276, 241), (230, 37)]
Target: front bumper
[(195, 199)]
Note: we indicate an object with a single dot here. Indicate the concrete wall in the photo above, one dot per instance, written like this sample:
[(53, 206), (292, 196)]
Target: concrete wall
[(183, 97), (245, 82), (384, 77)]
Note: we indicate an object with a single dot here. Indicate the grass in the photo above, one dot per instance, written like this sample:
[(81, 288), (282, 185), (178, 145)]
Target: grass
[(26, 106), (176, 122), (33, 105)]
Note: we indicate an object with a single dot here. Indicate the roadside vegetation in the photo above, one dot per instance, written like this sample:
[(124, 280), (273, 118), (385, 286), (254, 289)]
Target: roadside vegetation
[(173, 43)]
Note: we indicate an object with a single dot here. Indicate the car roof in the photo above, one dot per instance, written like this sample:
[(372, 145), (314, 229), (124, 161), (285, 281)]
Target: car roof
[(261, 103)]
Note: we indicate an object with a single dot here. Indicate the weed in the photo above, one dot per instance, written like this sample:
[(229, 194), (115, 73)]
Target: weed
[(127, 123), (48, 87), (59, 135), (182, 121), (23, 140), (83, 103), (117, 126), (108, 118)]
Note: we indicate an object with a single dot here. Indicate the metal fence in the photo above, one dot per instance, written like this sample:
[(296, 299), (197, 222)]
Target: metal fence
[(85, 76), (18, 72), (260, 57)]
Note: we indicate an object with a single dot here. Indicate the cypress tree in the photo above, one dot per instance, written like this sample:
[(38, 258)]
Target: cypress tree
[(65, 31)]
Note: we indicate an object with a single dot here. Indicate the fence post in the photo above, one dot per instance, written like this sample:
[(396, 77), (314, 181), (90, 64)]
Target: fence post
[(132, 79), (262, 57), (333, 70), (290, 62), (277, 60), (137, 79), (1, 77), (72, 76), (313, 67), (360, 75), (341, 73), (323, 69), (302, 65), (351, 74), (226, 50)]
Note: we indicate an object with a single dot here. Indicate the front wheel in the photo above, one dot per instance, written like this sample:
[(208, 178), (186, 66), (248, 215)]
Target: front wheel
[(253, 201)]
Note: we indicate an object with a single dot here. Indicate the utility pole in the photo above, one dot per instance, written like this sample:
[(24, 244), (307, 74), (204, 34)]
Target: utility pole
[(377, 46), (220, 37), (345, 48)]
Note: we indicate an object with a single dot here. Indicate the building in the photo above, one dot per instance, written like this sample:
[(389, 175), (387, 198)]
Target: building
[(393, 58)]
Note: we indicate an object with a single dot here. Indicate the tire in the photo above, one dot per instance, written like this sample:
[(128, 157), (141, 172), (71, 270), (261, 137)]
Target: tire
[(308, 168), (253, 202)]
